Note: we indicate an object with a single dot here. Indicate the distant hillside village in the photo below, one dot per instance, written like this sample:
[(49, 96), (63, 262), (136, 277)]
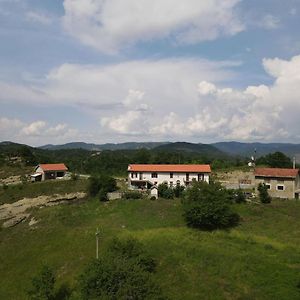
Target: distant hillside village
[(281, 182)]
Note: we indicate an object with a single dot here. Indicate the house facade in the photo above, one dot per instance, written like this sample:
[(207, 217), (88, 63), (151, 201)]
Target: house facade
[(145, 176), (49, 171), (281, 183)]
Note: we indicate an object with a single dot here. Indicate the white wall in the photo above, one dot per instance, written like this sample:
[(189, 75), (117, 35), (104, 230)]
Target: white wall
[(165, 177)]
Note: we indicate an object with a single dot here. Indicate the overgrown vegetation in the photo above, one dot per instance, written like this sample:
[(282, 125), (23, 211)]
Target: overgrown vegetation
[(123, 272), (101, 185), (275, 160), (206, 206), (264, 196)]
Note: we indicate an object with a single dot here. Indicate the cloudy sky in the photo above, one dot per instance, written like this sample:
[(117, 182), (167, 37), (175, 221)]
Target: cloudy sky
[(149, 70)]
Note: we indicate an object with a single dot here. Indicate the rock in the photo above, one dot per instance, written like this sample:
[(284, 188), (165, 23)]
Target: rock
[(15, 220), (33, 221), (15, 212)]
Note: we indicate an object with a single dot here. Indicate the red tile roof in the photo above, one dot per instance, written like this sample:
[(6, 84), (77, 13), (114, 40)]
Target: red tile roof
[(170, 168), (276, 172), (53, 167)]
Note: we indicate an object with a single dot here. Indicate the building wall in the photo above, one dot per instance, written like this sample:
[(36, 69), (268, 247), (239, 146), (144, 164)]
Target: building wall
[(288, 183), (165, 177)]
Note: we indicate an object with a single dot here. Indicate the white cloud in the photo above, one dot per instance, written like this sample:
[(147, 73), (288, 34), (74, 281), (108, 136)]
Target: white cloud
[(171, 99), (35, 133), (34, 129), (110, 25), (270, 22), (38, 17)]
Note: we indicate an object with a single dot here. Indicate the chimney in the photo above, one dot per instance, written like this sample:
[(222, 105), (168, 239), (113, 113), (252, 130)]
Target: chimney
[(294, 162)]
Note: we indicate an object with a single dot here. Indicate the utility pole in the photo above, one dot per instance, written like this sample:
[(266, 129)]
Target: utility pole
[(294, 162), (97, 243)]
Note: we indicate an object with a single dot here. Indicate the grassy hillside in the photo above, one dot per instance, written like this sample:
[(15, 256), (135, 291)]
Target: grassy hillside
[(260, 259), (30, 190)]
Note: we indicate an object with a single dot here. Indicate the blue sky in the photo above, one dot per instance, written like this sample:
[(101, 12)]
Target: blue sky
[(140, 70)]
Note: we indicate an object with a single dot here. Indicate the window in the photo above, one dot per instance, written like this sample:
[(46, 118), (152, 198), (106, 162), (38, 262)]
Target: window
[(154, 175), (134, 175), (280, 187), (200, 177), (268, 186), (171, 175)]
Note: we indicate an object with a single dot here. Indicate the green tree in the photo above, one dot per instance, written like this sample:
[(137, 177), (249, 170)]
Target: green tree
[(207, 206), (275, 160), (264, 196), (43, 285), (102, 183)]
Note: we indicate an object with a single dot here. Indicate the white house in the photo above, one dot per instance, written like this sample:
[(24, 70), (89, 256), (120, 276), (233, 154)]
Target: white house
[(49, 171), (146, 176)]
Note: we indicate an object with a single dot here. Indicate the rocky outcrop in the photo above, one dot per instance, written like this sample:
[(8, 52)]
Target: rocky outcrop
[(16, 212)]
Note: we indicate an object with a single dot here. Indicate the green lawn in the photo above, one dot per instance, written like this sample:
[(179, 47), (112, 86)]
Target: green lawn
[(260, 259)]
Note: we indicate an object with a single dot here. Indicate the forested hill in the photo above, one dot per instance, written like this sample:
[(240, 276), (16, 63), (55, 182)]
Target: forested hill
[(204, 149), (247, 149)]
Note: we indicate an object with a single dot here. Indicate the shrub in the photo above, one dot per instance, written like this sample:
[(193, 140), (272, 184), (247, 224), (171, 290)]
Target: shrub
[(105, 183), (132, 195), (5, 186), (43, 285), (240, 196), (210, 215), (102, 196), (236, 196), (264, 196), (178, 191), (206, 206), (74, 176), (165, 192), (121, 274)]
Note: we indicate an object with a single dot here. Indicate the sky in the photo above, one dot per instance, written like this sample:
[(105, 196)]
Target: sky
[(149, 70)]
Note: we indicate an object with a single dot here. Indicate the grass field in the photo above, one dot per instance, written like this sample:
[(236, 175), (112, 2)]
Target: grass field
[(260, 259)]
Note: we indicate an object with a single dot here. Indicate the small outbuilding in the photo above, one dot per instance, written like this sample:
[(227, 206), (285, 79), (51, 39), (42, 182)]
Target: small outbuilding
[(49, 171)]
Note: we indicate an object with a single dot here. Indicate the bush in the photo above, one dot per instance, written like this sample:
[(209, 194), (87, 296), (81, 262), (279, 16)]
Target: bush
[(132, 195), (206, 206), (5, 186), (74, 176), (105, 183), (240, 197), (165, 192), (124, 273), (236, 196), (264, 196), (210, 215), (178, 191), (102, 196), (43, 285)]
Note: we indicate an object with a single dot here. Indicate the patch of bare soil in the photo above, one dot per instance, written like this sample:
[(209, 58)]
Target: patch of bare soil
[(11, 180), (16, 212)]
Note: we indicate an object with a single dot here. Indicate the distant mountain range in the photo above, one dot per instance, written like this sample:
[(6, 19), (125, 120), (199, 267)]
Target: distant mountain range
[(248, 149), (217, 149), (109, 146)]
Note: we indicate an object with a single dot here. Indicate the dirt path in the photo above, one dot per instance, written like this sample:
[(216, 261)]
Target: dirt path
[(16, 212)]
